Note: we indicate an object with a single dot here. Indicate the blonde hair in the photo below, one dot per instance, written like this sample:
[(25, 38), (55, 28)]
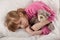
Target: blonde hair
[(11, 18)]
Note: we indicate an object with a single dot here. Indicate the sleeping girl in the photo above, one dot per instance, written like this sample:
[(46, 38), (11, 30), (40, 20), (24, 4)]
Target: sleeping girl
[(22, 17), (16, 20)]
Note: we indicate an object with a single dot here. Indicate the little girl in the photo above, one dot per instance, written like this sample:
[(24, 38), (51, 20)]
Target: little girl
[(19, 19)]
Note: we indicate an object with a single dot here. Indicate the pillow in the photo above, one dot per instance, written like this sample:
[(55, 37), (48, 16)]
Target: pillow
[(8, 5), (2, 35), (5, 7)]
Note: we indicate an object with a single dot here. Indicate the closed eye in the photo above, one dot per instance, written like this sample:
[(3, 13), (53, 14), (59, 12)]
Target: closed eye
[(20, 22)]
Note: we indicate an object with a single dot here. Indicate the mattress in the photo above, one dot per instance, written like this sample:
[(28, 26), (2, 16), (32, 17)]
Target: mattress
[(8, 5)]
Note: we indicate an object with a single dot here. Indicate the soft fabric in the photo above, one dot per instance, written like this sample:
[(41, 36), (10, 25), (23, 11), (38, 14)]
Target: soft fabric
[(32, 9), (7, 5), (45, 30)]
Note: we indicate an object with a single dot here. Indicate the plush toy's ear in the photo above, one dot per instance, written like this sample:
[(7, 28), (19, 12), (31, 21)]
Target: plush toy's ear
[(41, 18), (43, 15), (40, 12), (47, 14), (43, 12)]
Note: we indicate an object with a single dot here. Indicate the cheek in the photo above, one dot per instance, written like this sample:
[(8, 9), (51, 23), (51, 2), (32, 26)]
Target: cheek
[(24, 20), (24, 23)]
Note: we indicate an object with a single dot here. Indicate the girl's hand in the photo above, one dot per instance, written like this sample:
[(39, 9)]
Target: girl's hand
[(39, 25), (36, 26), (32, 32), (28, 30)]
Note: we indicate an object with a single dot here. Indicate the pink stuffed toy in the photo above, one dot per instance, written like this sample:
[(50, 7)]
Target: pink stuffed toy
[(32, 11)]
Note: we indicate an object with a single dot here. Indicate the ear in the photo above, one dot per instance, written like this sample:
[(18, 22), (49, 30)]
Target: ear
[(43, 12), (41, 18), (41, 15), (47, 14)]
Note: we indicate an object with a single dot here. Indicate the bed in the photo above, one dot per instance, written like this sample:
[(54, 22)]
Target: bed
[(8, 5)]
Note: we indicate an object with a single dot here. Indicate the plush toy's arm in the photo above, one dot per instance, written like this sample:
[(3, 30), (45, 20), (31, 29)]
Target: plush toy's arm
[(39, 25)]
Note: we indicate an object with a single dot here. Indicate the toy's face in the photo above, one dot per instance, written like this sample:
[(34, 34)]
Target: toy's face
[(41, 18), (42, 15)]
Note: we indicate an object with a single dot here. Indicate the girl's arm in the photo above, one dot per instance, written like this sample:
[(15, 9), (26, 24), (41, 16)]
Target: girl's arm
[(39, 25), (29, 30), (33, 32)]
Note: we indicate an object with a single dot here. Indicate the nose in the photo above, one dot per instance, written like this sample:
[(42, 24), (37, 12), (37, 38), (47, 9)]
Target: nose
[(22, 26)]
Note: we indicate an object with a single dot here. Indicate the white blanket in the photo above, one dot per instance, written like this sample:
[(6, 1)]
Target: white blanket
[(7, 5)]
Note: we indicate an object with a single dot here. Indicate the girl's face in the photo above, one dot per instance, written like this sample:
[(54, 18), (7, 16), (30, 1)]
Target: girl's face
[(23, 21), (16, 19)]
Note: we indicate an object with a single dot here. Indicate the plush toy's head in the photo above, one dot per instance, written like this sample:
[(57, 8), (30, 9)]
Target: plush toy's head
[(42, 15)]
